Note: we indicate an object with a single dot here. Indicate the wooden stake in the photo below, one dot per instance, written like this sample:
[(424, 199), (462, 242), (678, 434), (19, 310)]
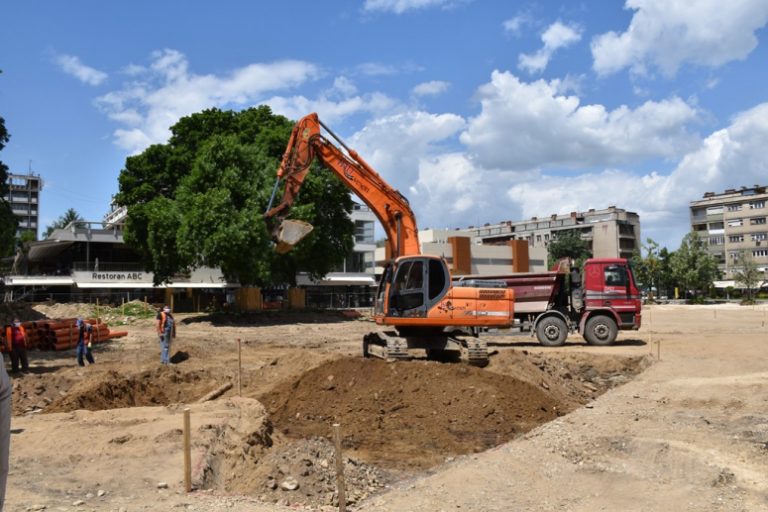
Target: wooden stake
[(97, 310), (123, 306), (187, 453), (650, 330), (339, 468), (239, 369)]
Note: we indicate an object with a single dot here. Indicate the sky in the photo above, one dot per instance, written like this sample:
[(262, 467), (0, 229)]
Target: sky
[(478, 111)]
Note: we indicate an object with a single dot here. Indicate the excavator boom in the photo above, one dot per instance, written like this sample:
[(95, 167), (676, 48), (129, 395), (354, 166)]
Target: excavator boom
[(389, 205)]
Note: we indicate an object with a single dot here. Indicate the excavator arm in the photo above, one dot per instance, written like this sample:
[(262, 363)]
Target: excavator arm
[(389, 205)]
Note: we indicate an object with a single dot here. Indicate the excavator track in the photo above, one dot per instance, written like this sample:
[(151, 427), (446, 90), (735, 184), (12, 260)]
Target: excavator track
[(385, 345), (390, 346)]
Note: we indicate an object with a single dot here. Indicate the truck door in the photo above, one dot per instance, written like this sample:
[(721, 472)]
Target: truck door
[(617, 292)]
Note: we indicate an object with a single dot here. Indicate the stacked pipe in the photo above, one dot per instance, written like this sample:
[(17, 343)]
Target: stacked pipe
[(62, 333)]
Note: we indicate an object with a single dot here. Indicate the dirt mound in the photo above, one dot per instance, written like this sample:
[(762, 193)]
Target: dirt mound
[(24, 312), (64, 310), (301, 471), (410, 414), (113, 390)]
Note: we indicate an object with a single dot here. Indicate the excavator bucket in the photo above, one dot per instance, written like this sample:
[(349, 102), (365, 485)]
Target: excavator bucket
[(290, 233)]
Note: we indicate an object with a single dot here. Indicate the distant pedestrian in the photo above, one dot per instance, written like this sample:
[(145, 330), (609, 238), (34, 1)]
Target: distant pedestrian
[(16, 340), (166, 330), (5, 430), (84, 342)]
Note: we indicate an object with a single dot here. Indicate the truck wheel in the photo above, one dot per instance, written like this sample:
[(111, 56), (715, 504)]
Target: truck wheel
[(600, 330), (551, 331)]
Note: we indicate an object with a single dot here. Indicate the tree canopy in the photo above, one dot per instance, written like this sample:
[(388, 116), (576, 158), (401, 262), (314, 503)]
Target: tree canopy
[(63, 221), (199, 200), (568, 244), (692, 266), (8, 221), (748, 275)]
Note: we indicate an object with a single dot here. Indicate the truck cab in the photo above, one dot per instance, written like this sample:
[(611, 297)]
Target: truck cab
[(610, 300)]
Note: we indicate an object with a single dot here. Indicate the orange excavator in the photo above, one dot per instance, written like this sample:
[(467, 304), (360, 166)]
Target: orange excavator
[(417, 304)]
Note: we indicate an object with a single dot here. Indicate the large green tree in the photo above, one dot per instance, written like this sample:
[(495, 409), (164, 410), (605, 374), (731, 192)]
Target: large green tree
[(199, 200), (648, 269), (8, 221), (568, 244), (63, 221), (693, 268), (748, 275)]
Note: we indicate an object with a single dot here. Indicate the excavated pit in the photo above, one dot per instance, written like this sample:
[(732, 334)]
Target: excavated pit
[(397, 419)]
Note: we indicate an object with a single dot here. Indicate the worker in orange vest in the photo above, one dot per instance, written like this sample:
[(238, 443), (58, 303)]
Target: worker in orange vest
[(166, 330), (84, 341), (16, 340)]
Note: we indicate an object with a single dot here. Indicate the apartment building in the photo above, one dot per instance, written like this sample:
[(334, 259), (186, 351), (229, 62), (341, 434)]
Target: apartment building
[(24, 198), (732, 222), (611, 232)]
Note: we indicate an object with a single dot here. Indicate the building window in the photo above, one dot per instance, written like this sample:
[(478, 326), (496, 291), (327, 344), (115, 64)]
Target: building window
[(538, 238), (756, 204), (756, 221), (716, 240), (546, 238), (760, 253), (734, 239), (734, 207), (757, 237), (364, 232), (734, 223), (734, 255)]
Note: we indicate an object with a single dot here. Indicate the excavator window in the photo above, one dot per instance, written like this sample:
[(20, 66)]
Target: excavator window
[(408, 287), (437, 279)]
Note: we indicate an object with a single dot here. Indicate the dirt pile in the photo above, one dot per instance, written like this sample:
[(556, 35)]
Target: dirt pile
[(22, 311), (114, 390), (300, 472), (410, 415)]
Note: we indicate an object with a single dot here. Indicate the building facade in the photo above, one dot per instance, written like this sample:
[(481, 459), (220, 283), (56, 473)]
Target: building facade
[(24, 198), (521, 246), (732, 223), (610, 233), (352, 283)]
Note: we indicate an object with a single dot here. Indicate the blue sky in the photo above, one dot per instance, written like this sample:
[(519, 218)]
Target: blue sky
[(477, 110)]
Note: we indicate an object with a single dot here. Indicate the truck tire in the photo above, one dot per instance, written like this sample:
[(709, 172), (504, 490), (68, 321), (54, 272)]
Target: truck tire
[(600, 330), (551, 331)]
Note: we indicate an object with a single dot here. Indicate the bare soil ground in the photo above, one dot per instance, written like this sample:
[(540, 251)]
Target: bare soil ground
[(573, 428)]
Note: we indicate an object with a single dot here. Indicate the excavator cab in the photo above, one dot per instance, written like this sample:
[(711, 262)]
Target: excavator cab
[(411, 286)]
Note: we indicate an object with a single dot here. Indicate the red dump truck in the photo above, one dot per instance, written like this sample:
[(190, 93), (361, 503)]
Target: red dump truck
[(597, 302)]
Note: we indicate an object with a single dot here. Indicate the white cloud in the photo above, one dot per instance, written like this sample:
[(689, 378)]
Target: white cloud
[(401, 6), (668, 33), (515, 25), (431, 88), (330, 110), (166, 90), (376, 69), (556, 36), (728, 158), (72, 65), (530, 125), (395, 144)]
